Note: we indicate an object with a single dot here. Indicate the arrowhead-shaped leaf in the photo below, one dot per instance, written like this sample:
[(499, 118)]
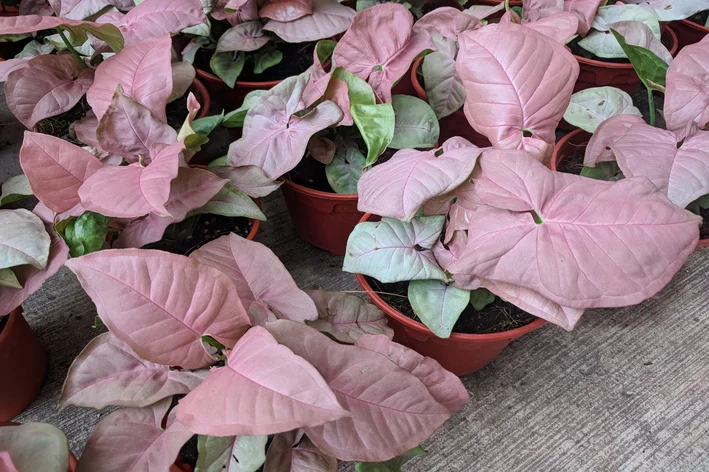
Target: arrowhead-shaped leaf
[(272, 391), (35, 446), (560, 26), (328, 18), (258, 275), (247, 36), (608, 131), (345, 170), (437, 305), (449, 22), (585, 10), (589, 108), (231, 454), (415, 124), (393, 251), (56, 169), (179, 296), (444, 89), (686, 96)]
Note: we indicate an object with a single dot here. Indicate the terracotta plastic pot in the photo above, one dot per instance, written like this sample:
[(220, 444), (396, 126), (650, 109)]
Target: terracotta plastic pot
[(596, 73), (452, 125), (323, 219), (72, 457), (575, 141), (689, 32), (23, 365), (6, 10), (461, 354)]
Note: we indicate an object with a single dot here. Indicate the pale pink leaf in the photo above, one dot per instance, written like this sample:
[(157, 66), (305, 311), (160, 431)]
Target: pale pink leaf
[(35, 447), (338, 92), (108, 372), (6, 464), (328, 18), (449, 22), (23, 239), (484, 11), (11, 65), (392, 410), (258, 275), (142, 69), (248, 36), (85, 130), (382, 59), (535, 10), (140, 295), (271, 390), (686, 94), (183, 74), (517, 81), (308, 458), (585, 10), (597, 243), (48, 85), (607, 133), (399, 187), (56, 169), (31, 23), (347, 317), (249, 179), (560, 26), (132, 440), (274, 138), (286, 10)]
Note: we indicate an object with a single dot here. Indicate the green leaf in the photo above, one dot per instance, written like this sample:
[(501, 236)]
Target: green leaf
[(195, 141), (703, 202), (415, 123), (437, 304), (9, 279), (106, 32), (344, 171), (219, 162), (265, 59), (231, 202), (228, 66), (647, 64), (324, 49), (15, 188), (98, 322), (480, 298), (376, 125), (358, 90), (602, 171), (206, 125), (85, 234), (392, 465), (235, 118), (13, 38), (207, 339)]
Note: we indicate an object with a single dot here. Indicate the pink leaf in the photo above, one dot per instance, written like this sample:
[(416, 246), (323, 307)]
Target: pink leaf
[(607, 133), (321, 149), (133, 191), (249, 179), (586, 11), (49, 85), (258, 275), (399, 187), (11, 65), (85, 130), (535, 10), (142, 69), (338, 92), (274, 138), (392, 409), (308, 458), (31, 23), (269, 390), (328, 18), (449, 22), (515, 80), (596, 243), (286, 10), (248, 36), (108, 373), (142, 296), (132, 440), (383, 59), (559, 27), (56, 169), (130, 129), (6, 464), (687, 95)]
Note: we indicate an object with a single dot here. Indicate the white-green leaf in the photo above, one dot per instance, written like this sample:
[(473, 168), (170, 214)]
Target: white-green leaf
[(673, 10), (376, 125), (235, 118), (437, 305), (415, 123), (36, 447), (233, 454), (610, 14), (344, 171), (231, 202), (589, 108), (444, 89), (23, 239), (34, 49), (15, 188), (228, 66), (9, 279), (394, 251)]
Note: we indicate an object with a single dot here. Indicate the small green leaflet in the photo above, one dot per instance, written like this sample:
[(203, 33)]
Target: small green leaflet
[(206, 125), (228, 66), (480, 298), (392, 465), (647, 64), (98, 323), (602, 171), (324, 49), (265, 59), (702, 203), (219, 162), (235, 118), (85, 234), (9, 279), (345, 170), (376, 125)]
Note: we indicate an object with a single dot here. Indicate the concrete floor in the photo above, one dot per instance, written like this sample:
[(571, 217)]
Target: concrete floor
[(627, 390)]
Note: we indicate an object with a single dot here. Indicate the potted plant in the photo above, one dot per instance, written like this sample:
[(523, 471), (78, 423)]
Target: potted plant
[(233, 306), (244, 46), (34, 446), (32, 252)]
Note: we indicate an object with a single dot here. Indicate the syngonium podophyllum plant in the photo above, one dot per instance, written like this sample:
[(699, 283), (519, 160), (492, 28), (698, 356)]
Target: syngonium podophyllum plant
[(460, 218), (40, 84), (231, 305), (676, 159), (143, 184), (250, 31), (33, 446)]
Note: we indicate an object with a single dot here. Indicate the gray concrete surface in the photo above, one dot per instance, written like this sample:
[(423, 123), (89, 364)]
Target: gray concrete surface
[(627, 390)]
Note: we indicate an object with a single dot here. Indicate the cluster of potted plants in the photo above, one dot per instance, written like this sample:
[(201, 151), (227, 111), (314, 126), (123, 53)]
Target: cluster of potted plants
[(456, 209)]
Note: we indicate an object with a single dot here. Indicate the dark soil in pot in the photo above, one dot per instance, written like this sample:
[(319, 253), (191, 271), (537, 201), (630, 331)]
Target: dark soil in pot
[(497, 317), (574, 163), (60, 126), (703, 231), (196, 231), (177, 112), (579, 51)]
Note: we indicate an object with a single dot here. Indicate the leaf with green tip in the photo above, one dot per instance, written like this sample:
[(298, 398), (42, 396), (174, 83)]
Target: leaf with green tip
[(415, 123), (228, 66), (647, 64), (437, 305), (233, 454), (235, 118), (106, 32), (376, 125), (607, 170), (481, 297), (9, 279), (206, 125), (324, 49), (264, 60), (344, 171), (232, 202), (394, 251), (393, 465), (15, 188), (85, 234)]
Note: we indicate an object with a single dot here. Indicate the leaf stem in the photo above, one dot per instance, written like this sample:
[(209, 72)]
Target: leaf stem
[(71, 49), (651, 103)]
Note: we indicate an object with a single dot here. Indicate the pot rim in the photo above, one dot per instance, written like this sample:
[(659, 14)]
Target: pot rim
[(245, 84), (342, 197), (420, 327), (674, 41), (695, 26), (420, 91)]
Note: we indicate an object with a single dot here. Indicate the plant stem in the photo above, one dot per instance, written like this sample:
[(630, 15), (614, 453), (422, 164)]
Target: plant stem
[(71, 49), (651, 102)]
